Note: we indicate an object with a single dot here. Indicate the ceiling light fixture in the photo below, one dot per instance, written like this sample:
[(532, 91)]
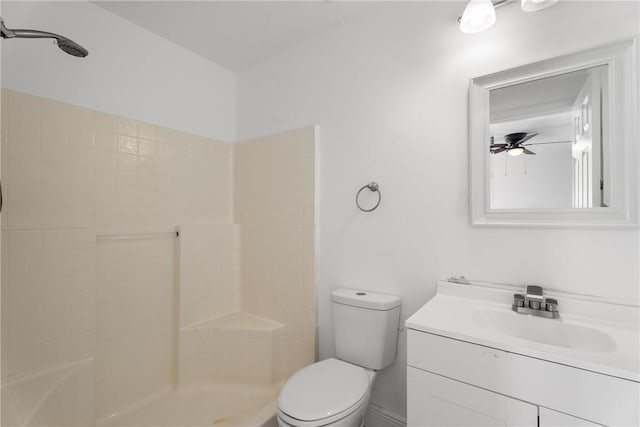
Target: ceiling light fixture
[(477, 16), (535, 5), (480, 15), (516, 151)]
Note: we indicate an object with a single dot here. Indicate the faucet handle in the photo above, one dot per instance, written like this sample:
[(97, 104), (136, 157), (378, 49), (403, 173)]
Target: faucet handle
[(518, 300), (533, 290)]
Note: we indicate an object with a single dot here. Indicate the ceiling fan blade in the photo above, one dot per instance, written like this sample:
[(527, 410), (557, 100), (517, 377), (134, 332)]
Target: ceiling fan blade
[(526, 138), (498, 150), (528, 151), (512, 138), (498, 145), (544, 143)]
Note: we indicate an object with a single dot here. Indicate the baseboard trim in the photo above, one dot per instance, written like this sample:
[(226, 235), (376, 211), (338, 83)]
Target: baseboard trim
[(377, 416)]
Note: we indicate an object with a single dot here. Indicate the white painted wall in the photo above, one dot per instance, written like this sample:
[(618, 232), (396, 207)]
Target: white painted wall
[(389, 93), (129, 71), (540, 181)]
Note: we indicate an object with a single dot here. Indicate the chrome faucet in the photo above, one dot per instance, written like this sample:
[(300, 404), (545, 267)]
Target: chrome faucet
[(534, 302)]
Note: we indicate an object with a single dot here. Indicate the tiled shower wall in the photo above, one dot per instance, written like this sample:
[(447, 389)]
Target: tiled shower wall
[(152, 176), (69, 174), (209, 272), (48, 254), (135, 318), (275, 198), (73, 175)]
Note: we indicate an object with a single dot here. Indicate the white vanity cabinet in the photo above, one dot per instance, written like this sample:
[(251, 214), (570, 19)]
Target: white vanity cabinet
[(457, 383), (517, 370), (433, 400), (549, 418)]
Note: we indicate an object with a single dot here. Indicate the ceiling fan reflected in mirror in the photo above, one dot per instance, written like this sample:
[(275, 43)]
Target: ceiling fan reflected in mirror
[(515, 145)]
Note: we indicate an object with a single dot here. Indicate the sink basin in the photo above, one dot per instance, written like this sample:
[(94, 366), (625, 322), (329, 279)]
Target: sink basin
[(594, 335), (552, 332)]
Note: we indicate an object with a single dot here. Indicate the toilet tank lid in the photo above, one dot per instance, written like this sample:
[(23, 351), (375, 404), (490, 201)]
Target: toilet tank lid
[(365, 299)]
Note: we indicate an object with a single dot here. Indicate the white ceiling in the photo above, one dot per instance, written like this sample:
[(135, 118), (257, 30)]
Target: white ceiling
[(549, 127), (550, 94), (236, 34)]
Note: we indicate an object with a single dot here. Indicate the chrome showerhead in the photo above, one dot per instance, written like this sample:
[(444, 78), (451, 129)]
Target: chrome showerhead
[(65, 44), (71, 47)]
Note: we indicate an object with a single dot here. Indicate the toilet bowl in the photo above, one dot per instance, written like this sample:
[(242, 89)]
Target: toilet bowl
[(336, 392), (330, 392)]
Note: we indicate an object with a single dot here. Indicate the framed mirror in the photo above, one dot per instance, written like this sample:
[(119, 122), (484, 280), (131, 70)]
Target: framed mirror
[(555, 143)]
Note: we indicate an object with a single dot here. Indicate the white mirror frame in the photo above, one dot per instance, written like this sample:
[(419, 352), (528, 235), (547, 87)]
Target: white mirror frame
[(622, 61)]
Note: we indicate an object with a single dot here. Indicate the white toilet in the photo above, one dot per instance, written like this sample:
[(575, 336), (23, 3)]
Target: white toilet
[(336, 392)]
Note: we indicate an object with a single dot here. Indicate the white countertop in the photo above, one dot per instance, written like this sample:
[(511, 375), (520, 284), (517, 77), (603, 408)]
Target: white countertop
[(454, 312)]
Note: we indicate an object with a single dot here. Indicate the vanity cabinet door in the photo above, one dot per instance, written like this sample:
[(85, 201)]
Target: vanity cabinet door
[(434, 400), (549, 418)]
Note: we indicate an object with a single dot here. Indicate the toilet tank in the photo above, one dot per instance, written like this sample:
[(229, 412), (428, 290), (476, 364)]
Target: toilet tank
[(365, 327)]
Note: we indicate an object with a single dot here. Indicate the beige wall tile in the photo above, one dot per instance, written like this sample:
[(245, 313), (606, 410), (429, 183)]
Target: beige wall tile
[(72, 169), (106, 122), (274, 200), (81, 126), (209, 285), (106, 141), (23, 114), (134, 316), (127, 126), (54, 121)]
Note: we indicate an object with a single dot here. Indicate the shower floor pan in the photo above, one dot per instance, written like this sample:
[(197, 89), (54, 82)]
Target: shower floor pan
[(218, 405)]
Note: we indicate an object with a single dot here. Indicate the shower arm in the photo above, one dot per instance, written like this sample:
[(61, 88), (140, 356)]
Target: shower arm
[(28, 34)]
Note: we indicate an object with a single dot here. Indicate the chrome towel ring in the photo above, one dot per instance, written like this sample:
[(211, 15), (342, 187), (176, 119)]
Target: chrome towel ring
[(373, 187)]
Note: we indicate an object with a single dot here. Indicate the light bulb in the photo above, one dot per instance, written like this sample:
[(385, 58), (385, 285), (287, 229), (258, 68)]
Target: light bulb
[(535, 5), (515, 151), (477, 16), (476, 19)]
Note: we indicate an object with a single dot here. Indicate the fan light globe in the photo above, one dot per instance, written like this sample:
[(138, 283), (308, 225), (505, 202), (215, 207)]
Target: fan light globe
[(535, 5), (515, 151), (477, 16)]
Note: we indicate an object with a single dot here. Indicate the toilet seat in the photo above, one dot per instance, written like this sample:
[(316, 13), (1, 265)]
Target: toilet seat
[(333, 420), (323, 393)]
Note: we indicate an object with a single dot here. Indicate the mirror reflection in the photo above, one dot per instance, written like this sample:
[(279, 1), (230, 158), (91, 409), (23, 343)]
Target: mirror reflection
[(547, 147)]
